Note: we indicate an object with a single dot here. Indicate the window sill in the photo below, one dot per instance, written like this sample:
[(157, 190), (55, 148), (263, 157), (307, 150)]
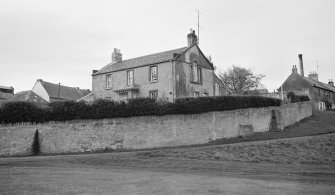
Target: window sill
[(199, 83), (108, 88), (153, 81)]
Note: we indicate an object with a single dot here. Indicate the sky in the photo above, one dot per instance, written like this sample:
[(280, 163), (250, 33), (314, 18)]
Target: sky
[(62, 41)]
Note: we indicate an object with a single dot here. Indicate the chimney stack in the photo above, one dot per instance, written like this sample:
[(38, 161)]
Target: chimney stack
[(331, 82), (116, 56), (192, 38), (294, 69), (313, 75), (301, 65)]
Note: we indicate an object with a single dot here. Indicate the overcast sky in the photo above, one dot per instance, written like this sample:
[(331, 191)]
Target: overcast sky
[(63, 41)]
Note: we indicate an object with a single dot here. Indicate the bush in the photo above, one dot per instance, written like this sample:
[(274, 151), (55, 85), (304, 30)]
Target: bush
[(14, 112), (297, 98)]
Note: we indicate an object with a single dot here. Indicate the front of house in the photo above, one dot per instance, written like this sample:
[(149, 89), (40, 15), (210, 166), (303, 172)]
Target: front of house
[(182, 72)]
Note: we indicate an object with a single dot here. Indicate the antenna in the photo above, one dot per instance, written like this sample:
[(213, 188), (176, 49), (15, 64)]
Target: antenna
[(198, 12), (317, 67)]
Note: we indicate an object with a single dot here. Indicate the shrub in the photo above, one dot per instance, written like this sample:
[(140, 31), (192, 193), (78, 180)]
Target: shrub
[(297, 98), (35, 147), (69, 110), (16, 112)]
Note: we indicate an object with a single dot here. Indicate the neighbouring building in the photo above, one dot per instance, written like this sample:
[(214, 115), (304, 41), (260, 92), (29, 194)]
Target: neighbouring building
[(6, 93), (29, 96), (320, 93), (51, 92), (182, 72)]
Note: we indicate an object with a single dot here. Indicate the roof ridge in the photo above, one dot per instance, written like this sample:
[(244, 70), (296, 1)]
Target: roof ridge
[(139, 57)]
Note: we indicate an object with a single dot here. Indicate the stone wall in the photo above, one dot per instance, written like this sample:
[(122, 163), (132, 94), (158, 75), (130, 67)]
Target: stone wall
[(147, 131)]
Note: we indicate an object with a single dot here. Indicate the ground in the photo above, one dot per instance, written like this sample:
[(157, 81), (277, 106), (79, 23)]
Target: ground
[(282, 164)]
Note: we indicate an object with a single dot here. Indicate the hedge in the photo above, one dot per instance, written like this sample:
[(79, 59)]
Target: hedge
[(297, 98), (16, 112)]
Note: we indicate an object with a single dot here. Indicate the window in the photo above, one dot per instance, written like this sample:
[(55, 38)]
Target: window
[(196, 75), (109, 81), (195, 71), (153, 74), (196, 94), (205, 94), (216, 89), (130, 77), (153, 94)]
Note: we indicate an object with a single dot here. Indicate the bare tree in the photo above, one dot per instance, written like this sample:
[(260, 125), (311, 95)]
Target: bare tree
[(241, 81)]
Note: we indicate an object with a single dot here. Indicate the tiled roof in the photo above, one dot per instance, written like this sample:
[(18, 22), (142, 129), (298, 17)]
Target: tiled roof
[(29, 96), (320, 84), (141, 61), (64, 92)]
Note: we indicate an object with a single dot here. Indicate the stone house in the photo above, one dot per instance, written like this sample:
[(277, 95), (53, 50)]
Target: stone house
[(182, 72), (51, 92), (318, 92)]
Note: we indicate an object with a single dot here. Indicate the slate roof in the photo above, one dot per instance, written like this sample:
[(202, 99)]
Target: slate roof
[(319, 84), (141, 61), (29, 96), (65, 93)]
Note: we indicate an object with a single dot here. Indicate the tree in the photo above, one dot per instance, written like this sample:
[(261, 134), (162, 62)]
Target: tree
[(35, 148), (241, 81)]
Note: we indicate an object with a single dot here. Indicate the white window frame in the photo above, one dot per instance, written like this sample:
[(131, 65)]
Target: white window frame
[(109, 81), (130, 77), (153, 74), (196, 94), (153, 94), (195, 76), (216, 89)]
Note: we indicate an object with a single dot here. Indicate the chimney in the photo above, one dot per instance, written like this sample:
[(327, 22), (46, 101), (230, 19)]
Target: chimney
[(313, 75), (116, 56), (301, 65), (331, 82), (192, 38), (294, 69)]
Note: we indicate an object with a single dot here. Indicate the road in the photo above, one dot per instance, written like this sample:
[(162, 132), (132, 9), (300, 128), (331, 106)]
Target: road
[(111, 174)]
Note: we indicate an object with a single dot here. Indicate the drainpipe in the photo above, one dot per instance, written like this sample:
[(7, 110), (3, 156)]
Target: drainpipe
[(173, 80)]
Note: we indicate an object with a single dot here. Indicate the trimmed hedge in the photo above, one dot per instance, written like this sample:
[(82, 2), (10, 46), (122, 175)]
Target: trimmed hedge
[(16, 112), (297, 98)]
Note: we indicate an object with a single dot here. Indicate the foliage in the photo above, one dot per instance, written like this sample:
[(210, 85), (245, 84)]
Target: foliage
[(15, 112), (240, 80), (35, 148), (297, 98), (19, 111)]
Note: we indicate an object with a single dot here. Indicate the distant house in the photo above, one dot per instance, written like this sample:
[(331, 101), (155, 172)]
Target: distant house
[(182, 72), (51, 92), (6, 93), (319, 92), (29, 96)]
